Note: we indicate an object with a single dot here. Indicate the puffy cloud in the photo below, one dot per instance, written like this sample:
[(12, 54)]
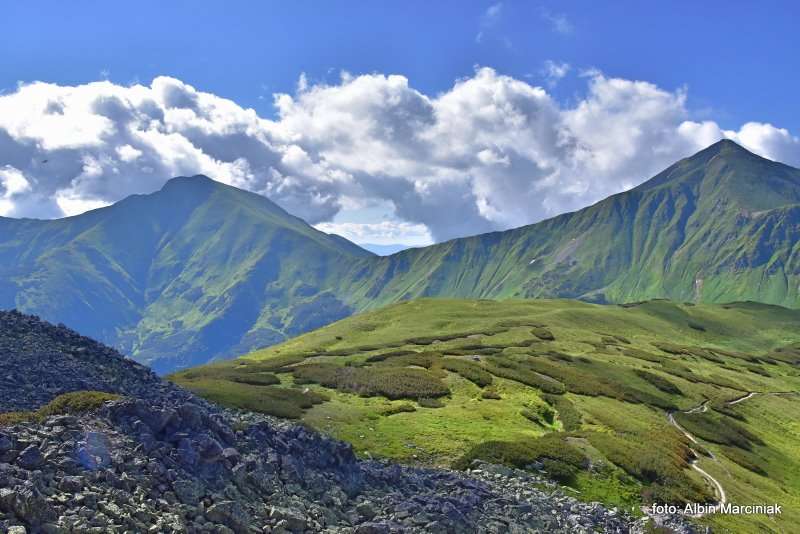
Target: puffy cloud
[(490, 153), (493, 11), (89, 145), (13, 183), (766, 139)]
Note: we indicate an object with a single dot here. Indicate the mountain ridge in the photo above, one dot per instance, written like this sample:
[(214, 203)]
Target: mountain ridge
[(202, 270), (666, 209)]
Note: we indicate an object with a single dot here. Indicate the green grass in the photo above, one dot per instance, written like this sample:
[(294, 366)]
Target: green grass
[(472, 371), (568, 415), (602, 386), (560, 459), (390, 382), (72, 403), (609, 486)]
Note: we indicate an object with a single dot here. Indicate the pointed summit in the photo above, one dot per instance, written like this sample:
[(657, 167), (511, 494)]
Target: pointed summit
[(724, 148), (190, 181), (727, 172), (726, 145), (199, 189)]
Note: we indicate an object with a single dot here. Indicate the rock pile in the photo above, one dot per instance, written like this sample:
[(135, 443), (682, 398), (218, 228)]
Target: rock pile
[(174, 466), (39, 361)]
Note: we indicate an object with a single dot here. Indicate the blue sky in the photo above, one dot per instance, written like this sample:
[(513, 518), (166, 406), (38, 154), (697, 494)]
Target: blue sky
[(726, 63), (739, 62)]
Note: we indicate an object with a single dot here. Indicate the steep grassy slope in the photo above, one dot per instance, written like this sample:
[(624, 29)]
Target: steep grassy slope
[(200, 270), (720, 226), (193, 271), (580, 390)]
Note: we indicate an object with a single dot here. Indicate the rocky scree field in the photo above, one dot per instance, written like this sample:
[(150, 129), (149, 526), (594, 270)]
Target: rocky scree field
[(148, 456), (621, 403)]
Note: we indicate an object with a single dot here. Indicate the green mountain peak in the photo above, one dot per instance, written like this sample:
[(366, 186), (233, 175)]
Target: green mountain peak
[(726, 173), (178, 275)]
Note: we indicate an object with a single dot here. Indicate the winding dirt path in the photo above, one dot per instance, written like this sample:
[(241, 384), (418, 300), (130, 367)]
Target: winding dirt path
[(744, 398), (702, 408), (722, 497)]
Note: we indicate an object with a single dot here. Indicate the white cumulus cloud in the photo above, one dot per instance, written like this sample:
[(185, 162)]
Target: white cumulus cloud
[(491, 152), (13, 184)]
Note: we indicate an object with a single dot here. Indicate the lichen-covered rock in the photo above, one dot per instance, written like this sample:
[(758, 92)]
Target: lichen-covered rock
[(27, 503), (30, 458)]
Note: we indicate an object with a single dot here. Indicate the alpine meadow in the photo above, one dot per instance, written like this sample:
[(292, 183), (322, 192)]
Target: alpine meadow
[(597, 396)]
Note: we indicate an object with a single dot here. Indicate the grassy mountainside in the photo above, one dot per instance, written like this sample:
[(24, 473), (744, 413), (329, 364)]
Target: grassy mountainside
[(721, 226), (579, 390), (200, 270), (196, 270)]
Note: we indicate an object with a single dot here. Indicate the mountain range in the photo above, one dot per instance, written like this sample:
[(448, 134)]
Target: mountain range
[(200, 270)]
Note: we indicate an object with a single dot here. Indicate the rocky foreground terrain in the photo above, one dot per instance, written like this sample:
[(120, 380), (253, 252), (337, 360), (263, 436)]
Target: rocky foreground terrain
[(39, 361), (161, 460)]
